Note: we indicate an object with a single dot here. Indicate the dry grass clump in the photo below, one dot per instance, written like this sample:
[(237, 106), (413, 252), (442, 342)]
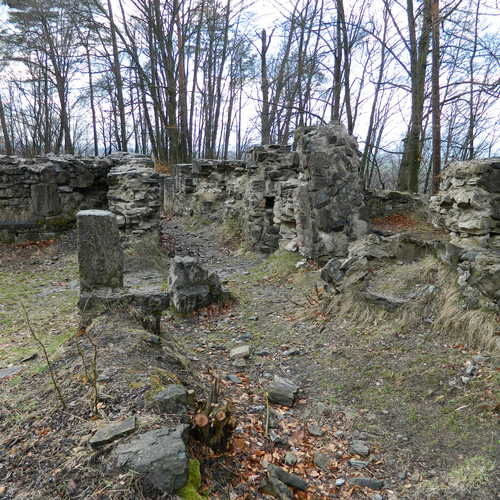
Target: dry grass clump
[(465, 481), (479, 328), (443, 310)]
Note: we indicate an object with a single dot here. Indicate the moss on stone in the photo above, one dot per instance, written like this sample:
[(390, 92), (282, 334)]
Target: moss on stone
[(190, 490)]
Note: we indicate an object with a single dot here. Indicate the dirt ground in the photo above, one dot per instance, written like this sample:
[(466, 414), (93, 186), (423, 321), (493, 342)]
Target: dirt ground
[(392, 383)]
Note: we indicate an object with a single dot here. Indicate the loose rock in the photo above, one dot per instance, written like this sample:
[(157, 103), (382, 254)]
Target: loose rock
[(172, 399), (367, 482), (285, 477), (113, 431), (159, 456), (282, 391), (360, 448), (290, 458), (322, 460), (242, 351)]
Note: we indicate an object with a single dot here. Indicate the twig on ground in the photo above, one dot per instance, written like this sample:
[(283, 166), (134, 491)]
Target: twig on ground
[(46, 355)]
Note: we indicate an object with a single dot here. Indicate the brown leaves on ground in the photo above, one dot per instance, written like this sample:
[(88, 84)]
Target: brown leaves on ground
[(251, 450)]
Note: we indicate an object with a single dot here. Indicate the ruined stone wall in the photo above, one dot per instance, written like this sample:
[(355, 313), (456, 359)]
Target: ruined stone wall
[(134, 196), (468, 204), (39, 197), (380, 203), (309, 200), (329, 203), (268, 199)]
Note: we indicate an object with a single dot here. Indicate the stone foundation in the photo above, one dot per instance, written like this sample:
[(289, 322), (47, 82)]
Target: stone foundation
[(39, 197)]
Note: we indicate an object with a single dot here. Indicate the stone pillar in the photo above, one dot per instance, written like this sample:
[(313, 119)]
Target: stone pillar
[(329, 205), (100, 254)]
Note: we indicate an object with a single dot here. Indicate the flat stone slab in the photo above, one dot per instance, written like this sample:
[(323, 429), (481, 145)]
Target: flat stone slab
[(242, 351), (172, 399), (113, 431), (10, 372), (159, 456), (367, 482), (287, 478)]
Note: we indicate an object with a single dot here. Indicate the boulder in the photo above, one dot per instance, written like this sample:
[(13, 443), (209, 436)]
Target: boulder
[(158, 456), (282, 391), (193, 287)]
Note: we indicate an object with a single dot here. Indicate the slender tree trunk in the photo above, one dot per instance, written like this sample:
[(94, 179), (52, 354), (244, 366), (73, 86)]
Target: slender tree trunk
[(5, 131), (265, 124), (410, 163), (118, 81), (436, 103)]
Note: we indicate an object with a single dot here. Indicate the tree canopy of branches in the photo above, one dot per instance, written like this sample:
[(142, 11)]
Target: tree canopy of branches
[(417, 81)]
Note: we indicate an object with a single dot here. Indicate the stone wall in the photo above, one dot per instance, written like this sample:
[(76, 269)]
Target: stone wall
[(134, 196), (468, 204), (380, 203), (267, 212), (309, 200), (329, 204), (39, 197)]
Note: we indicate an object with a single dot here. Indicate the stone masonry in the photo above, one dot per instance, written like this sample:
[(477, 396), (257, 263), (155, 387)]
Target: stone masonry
[(100, 255), (134, 196), (468, 204), (329, 204), (39, 197), (309, 200)]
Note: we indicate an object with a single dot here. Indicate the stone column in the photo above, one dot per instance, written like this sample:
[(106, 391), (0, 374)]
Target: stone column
[(100, 254)]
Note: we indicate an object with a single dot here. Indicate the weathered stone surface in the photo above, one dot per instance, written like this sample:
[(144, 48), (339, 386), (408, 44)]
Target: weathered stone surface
[(134, 196), (322, 460), (282, 391), (113, 431), (468, 204), (192, 287), (171, 400), (384, 301), (285, 477), (380, 203), (242, 351), (367, 482), (360, 448), (45, 199), (10, 371), (100, 255), (159, 456), (329, 200)]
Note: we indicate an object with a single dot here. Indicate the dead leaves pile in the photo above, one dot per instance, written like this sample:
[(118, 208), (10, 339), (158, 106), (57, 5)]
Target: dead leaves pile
[(251, 450)]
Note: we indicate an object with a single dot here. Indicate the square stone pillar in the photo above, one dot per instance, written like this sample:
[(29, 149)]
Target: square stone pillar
[(100, 255)]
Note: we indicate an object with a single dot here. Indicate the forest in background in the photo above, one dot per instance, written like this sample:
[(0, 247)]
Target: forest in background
[(417, 81)]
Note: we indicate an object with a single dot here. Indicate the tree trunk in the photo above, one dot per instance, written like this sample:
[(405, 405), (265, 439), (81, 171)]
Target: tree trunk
[(436, 105), (5, 131)]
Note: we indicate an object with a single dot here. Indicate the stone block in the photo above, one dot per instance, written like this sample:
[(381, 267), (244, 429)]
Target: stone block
[(100, 254), (45, 199)]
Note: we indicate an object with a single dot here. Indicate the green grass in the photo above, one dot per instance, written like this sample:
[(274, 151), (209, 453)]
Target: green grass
[(52, 315)]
